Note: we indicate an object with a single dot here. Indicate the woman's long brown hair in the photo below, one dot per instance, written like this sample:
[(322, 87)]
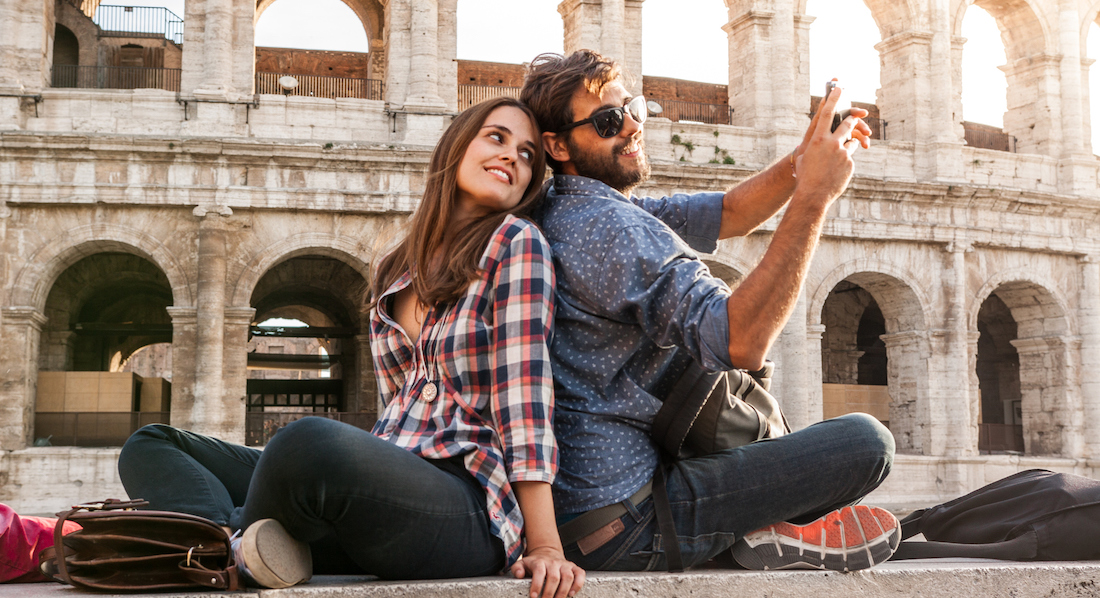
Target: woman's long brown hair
[(444, 267)]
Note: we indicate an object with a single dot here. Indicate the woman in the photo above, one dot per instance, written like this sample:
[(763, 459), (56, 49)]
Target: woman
[(457, 472)]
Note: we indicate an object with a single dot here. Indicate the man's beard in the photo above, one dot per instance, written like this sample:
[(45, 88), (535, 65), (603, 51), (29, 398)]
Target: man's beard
[(606, 168)]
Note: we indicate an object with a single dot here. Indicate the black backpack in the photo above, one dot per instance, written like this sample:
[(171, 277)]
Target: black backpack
[(1035, 515)]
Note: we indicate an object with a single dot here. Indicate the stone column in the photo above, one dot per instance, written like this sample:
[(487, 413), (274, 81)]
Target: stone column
[(26, 46), (632, 45), (954, 381), (762, 77), (791, 383), (209, 409), (581, 24), (1077, 167), (21, 329), (1048, 404), (1089, 318), (366, 391), (904, 96), (238, 320), (184, 349), (1031, 113), (907, 382), (424, 50), (218, 57), (815, 401)]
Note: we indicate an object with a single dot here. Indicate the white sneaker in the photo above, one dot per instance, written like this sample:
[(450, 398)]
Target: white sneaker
[(269, 556)]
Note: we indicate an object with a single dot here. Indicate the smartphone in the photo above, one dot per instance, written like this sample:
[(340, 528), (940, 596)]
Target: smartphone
[(843, 107)]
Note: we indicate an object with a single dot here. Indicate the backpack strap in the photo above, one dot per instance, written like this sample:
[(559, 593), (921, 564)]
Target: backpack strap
[(1024, 547)]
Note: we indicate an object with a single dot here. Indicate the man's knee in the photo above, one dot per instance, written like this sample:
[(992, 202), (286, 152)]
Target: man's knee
[(868, 432)]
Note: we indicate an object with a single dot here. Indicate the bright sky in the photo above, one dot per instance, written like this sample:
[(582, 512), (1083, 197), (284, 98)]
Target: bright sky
[(680, 38)]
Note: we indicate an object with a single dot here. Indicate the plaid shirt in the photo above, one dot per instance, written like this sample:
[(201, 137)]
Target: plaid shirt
[(488, 357)]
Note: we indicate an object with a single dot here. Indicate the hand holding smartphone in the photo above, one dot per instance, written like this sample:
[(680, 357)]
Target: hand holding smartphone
[(843, 106)]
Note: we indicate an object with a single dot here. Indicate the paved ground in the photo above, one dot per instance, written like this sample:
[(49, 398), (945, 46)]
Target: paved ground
[(966, 578)]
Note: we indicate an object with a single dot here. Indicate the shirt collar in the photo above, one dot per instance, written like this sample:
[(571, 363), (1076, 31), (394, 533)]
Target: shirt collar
[(568, 184)]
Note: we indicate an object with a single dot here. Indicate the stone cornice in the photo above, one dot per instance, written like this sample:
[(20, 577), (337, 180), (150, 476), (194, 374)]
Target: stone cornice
[(904, 38), (753, 17)]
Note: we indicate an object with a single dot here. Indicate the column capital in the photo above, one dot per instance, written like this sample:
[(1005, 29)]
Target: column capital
[(1089, 258), (24, 315), (898, 339), (182, 315), (239, 315), (752, 17), (958, 246)]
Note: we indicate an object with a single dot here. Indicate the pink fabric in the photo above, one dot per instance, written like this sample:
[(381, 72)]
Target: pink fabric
[(21, 540)]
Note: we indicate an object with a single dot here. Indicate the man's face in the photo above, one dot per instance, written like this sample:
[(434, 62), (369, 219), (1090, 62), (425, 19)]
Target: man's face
[(619, 161)]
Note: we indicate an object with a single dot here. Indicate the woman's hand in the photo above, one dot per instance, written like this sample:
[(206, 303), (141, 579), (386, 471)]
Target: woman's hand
[(552, 575)]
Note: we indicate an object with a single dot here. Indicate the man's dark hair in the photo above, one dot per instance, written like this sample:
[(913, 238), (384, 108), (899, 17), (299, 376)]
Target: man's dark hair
[(552, 79)]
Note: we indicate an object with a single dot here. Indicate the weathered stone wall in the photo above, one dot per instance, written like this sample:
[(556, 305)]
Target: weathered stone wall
[(324, 63)]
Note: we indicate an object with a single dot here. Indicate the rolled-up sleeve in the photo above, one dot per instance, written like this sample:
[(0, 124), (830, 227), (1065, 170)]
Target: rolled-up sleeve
[(522, 400), (696, 218)]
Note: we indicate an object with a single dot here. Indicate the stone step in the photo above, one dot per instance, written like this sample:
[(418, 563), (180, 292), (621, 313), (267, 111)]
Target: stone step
[(970, 578)]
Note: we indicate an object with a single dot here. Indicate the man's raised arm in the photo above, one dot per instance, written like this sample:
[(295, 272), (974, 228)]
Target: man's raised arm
[(761, 305)]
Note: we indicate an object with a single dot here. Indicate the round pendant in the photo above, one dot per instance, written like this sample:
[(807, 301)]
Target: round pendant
[(429, 392)]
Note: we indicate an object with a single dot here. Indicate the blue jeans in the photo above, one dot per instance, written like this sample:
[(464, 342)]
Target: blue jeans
[(363, 504), (719, 498)]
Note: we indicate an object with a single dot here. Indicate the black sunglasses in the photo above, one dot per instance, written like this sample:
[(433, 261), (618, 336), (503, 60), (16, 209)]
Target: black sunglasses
[(610, 121)]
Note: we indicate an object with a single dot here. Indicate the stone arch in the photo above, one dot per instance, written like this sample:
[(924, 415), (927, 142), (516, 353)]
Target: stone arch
[(33, 282), (1088, 17), (1045, 347), (370, 12), (1024, 31), (338, 247), (900, 297), (904, 309)]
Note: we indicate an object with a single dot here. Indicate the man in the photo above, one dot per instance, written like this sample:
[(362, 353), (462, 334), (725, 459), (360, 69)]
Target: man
[(632, 294)]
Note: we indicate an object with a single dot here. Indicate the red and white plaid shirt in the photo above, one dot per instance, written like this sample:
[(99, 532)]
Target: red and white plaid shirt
[(487, 357)]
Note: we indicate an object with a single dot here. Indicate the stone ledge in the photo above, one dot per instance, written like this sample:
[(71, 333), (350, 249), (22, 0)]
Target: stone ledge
[(944, 577)]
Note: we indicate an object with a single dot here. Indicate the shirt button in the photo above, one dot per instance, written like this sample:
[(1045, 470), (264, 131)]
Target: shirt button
[(429, 392)]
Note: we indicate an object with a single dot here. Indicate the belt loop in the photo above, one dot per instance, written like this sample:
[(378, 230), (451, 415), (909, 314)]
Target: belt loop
[(633, 510)]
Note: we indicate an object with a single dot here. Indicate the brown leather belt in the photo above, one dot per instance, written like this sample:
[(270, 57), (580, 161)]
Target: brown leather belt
[(580, 528)]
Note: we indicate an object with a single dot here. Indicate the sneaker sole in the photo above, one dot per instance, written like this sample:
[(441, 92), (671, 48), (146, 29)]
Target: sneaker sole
[(274, 558), (849, 539)]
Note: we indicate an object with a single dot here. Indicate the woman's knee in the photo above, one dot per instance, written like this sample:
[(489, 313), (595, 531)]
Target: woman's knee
[(314, 443)]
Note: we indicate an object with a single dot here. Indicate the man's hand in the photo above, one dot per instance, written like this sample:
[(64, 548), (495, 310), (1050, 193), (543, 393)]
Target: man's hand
[(861, 132), (552, 575), (825, 163)]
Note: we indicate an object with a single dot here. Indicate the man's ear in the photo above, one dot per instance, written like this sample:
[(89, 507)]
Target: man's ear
[(555, 147)]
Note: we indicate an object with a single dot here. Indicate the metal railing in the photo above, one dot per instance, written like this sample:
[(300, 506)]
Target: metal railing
[(138, 21), (711, 114), (1001, 437), (261, 426), (985, 137), (80, 428), (321, 87), (115, 77), (468, 95)]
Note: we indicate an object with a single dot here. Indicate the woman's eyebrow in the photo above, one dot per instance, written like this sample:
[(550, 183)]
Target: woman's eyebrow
[(500, 127)]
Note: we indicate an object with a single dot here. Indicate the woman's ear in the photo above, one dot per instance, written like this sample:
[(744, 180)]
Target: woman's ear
[(555, 147)]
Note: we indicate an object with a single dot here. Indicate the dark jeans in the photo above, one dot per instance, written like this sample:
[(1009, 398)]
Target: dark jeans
[(719, 498), (364, 505)]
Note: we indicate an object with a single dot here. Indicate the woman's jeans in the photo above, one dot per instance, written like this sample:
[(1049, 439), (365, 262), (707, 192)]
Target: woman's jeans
[(364, 505), (718, 498)]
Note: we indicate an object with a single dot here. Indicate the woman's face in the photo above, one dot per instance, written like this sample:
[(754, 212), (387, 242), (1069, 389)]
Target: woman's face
[(496, 168)]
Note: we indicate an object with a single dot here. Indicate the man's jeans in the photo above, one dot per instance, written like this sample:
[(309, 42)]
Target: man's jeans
[(719, 498), (364, 505)]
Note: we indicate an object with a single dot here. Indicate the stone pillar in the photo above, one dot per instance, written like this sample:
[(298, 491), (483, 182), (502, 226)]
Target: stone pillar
[(219, 55), (791, 383), (762, 76), (424, 50), (209, 409), (21, 329), (26, 48), (802, 83), (238, 320), (184, 349), (610, 27), (1089, 318), (954, 381), (1049, 407), (366, 391), (904, 96), (1077, 167), (1033, 104), (581, 25), (907, 381), (815, 401), (57, 352)]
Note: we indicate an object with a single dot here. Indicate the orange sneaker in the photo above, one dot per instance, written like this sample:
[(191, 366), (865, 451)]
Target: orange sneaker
[(848, 539)]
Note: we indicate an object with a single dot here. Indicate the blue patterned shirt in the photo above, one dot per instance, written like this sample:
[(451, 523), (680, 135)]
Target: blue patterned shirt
[(630, 293)]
